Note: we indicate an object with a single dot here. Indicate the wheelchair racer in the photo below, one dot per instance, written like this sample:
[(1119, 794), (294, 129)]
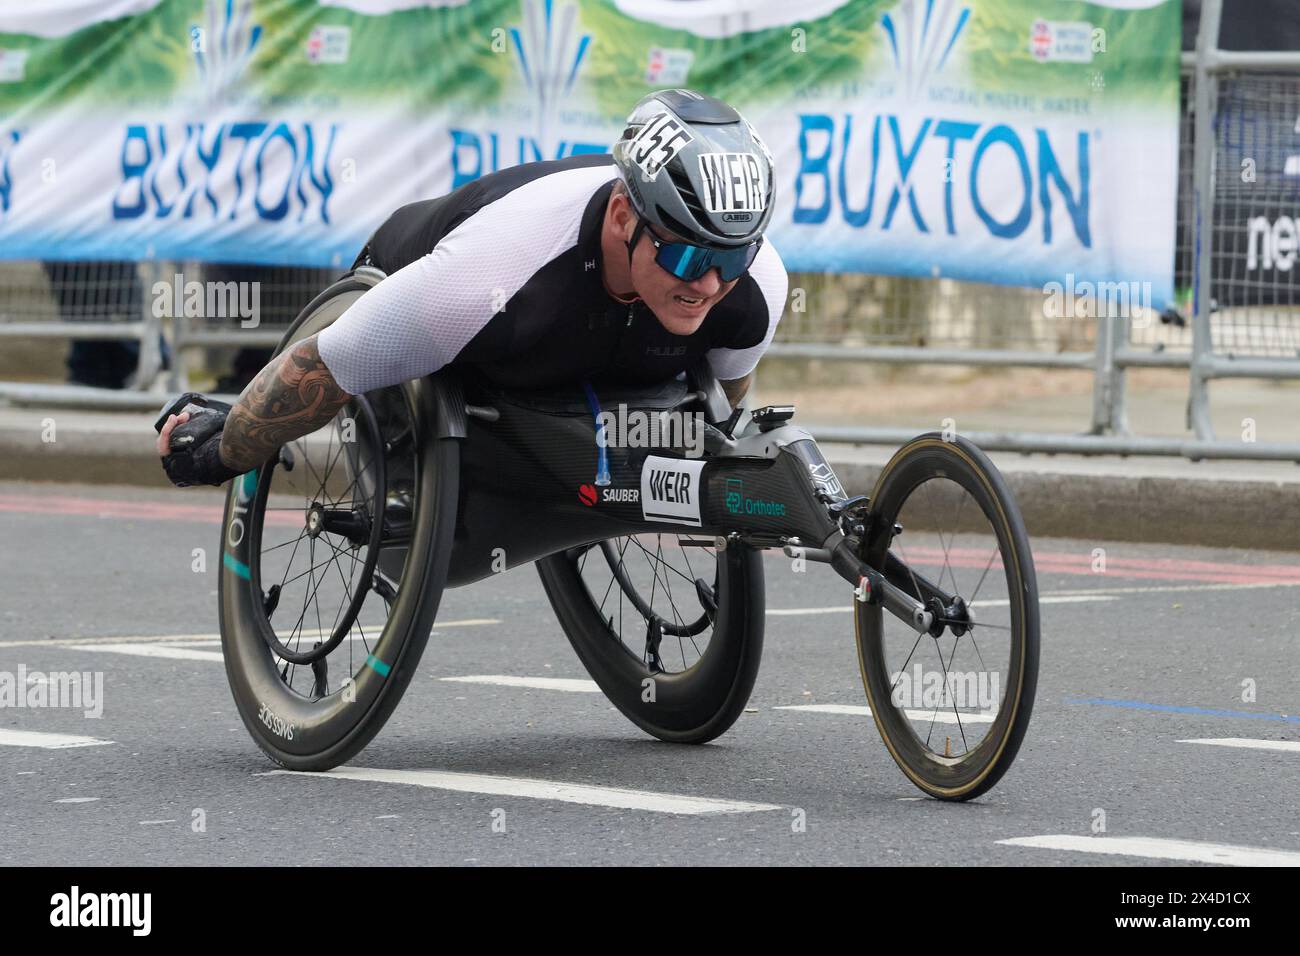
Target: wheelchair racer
[(623, 269)]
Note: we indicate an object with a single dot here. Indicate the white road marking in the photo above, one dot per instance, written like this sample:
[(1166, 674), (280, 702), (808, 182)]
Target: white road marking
[(32, 738), (1290, 746), (859, 710), (1074, 596), (998, 602), (779, 611), (200, 638), (1188, 851), (78, 800), (573, 685), (616, 797), (154, 650)]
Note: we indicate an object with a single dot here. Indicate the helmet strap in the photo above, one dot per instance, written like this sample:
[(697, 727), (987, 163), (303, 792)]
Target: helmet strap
[(636, 237)]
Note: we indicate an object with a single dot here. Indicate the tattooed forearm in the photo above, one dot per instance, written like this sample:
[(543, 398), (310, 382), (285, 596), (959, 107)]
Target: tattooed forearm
[(736, 388), (294, 395)]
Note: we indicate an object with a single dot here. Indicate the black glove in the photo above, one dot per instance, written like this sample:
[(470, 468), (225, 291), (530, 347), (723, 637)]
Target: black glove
[(195, 447)]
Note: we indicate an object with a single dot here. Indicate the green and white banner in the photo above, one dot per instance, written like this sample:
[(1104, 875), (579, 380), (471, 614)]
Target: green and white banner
[(1010, 141)]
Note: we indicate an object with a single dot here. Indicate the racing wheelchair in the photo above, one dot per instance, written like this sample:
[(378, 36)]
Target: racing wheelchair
[(335, 555)]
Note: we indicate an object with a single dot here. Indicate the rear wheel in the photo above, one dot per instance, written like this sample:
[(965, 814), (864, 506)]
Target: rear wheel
[(952, 705), (669, 627)]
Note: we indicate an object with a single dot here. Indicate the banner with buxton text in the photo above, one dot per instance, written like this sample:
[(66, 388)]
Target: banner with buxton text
[(1005, 141)]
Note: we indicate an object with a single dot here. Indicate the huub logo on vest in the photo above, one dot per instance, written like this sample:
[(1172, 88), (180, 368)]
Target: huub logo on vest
[(75, 908), (733, 183)]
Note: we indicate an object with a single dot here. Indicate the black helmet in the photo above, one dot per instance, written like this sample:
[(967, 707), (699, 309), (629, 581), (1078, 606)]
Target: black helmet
[(695, 167)]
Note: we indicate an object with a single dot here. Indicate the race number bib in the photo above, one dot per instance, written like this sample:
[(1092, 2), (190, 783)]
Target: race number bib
[(733, 182), (658, 142), (670, 490)]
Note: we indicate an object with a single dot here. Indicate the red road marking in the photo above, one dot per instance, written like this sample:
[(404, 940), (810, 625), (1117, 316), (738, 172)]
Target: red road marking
[(1117, 566), (66, 505), (1046, 562)]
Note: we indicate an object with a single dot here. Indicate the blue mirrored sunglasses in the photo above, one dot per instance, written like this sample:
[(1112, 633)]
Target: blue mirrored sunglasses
[(688, 262)]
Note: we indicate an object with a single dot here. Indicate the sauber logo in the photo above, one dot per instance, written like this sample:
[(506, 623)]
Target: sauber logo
[(587, 494)]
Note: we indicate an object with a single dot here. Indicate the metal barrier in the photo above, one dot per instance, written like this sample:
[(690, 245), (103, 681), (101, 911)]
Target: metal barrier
[(280, 292), (1244, 327), (1228, 85), (143, 306)]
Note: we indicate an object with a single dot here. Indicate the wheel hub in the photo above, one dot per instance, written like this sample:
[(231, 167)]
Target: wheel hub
[(956, 617), (315, 519)]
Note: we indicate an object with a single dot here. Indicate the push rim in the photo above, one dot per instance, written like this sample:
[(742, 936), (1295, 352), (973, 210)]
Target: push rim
[(657, 595)]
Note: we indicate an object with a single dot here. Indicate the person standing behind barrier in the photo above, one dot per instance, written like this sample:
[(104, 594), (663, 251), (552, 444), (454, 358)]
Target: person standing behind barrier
[(98, 291)]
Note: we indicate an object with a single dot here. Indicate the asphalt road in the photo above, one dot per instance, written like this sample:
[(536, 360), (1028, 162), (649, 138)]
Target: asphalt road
[(100, 579)]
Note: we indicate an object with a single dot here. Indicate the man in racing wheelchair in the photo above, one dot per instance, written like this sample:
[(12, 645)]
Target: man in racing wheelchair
[(625, 269)]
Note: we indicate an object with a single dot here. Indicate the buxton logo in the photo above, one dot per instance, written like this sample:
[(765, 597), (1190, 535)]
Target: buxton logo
[(917, 60)]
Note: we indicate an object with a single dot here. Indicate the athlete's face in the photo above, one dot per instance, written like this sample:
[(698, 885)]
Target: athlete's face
[(680, 306)]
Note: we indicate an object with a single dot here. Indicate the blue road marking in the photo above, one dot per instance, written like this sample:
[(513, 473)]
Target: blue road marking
[(1196, 711)]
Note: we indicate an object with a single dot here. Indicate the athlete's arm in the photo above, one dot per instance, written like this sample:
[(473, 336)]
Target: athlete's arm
[(735, 362), (293, 396), (736, 388)]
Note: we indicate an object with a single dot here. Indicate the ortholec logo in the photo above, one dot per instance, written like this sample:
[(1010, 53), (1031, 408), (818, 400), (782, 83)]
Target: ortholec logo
[(735, 494), (739, 503)]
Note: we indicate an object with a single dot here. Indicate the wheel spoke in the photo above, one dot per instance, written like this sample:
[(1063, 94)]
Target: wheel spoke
[(675, 620), (970, 601)]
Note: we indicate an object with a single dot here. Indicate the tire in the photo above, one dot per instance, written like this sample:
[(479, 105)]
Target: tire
[(696, 703), (326, 726), (963, 466)]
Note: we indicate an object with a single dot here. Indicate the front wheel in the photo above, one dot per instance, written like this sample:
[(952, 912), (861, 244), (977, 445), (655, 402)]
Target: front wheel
[(952, 704)]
